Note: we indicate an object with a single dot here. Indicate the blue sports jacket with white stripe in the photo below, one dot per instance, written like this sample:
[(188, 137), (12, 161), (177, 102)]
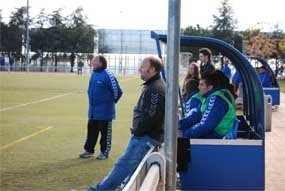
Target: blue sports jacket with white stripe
[(103, 92)]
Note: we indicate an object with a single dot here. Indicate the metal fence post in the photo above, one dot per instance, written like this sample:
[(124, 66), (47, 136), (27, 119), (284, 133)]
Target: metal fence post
[(268, 112), (173, 49)]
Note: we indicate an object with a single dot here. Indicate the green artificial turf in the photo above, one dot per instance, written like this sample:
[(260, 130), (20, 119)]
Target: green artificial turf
[(48, 160)]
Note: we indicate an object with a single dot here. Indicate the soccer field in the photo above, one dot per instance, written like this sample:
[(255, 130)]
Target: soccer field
[(43, 128)]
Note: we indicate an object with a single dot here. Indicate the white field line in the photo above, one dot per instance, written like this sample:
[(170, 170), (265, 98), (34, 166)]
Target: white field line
[(34, 102), (47, 99), (24, 138)]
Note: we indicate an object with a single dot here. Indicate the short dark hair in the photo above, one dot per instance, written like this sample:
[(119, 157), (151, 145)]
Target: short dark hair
[(103, 61), (209, 78), (217, 79), (155, 62), (206, 52)]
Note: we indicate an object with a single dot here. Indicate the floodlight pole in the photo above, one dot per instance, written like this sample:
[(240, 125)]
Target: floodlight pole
[(27, 39), (173, 49)]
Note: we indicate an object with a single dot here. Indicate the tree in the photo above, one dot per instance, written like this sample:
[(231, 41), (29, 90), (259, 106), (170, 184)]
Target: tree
[(259, 44), (56, 19), (195, 31), (41, 20), (278, 39), (224, 24), (76, 21), (3, 29), (238, 41), (39, 41), (15, 32), (64, 34), (55, 34), (79, 35), (76, 18), (17, 17)]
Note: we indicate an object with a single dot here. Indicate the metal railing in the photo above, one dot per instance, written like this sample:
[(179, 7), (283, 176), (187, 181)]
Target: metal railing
[(138, 176), (150, 174), (151, 180)]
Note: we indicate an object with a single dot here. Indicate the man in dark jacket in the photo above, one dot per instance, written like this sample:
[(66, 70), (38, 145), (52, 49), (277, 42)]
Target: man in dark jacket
[(147, 128), (206, 61), (103, 92)]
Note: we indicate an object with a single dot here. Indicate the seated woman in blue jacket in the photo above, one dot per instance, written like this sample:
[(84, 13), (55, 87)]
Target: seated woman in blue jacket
[(193, 104), (194, 99), (218, 111)]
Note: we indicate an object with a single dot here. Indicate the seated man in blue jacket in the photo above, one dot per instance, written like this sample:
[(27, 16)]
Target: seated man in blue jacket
[(218, 111), (103, 92), (264, 77)]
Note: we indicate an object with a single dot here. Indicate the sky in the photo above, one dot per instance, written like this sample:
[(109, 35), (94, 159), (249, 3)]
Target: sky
[(152, 14)]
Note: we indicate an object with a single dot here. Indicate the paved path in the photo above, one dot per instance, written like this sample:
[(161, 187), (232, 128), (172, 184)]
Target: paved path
[(275, 150)]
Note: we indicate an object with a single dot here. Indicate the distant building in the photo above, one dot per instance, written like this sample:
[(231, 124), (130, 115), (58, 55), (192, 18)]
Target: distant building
[(119, 41)]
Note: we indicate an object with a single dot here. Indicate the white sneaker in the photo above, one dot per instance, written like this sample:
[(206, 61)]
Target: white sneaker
[(86, 155), (101, 156)]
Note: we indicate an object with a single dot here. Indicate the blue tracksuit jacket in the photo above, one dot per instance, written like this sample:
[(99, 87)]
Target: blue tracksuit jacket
[(216, 108), (265, 79), (236, 79), (192, 103), (103, 92), (192, 112), (227, 71)]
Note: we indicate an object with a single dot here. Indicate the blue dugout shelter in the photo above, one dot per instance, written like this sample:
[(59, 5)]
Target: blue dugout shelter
[(223, 164), (274, 91)]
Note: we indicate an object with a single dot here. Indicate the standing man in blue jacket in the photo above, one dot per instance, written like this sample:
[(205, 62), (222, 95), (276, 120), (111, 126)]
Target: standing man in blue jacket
[(103, 92)]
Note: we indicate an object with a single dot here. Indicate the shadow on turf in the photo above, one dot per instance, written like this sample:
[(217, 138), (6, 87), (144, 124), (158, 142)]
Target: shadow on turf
[(68, 163)]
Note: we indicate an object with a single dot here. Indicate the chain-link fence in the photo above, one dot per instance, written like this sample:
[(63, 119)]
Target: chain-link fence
[(127, 64)]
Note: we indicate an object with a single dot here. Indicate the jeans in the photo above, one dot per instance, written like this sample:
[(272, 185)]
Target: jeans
[(127, 163)]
